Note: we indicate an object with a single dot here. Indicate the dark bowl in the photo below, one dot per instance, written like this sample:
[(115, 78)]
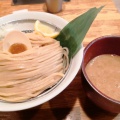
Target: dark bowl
[(101, 45)]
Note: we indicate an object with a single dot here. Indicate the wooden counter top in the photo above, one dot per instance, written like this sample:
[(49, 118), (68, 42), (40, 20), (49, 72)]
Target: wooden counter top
[(72, 103)]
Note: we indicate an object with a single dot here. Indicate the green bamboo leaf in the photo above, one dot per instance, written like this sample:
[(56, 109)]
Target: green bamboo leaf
[(72, 35)]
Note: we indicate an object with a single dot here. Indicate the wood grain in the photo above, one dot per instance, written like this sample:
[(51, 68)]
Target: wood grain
[(73, 99)]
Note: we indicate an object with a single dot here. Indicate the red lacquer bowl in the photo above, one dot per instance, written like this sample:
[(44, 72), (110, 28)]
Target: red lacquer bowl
[(101, 45)]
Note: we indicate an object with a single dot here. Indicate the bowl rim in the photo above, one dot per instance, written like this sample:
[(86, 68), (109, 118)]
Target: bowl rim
[(85, 74)]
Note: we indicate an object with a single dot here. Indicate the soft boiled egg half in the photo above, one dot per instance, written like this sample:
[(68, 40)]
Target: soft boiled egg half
[(16, 42)]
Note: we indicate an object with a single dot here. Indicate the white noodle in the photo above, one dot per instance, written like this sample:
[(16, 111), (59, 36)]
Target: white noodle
[(28, 74)]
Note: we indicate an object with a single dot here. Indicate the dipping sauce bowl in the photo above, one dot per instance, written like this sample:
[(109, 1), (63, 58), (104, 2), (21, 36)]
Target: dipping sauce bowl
[(101, 45)]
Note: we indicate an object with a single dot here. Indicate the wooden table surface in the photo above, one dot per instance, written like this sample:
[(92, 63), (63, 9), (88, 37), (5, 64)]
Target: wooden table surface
[(72, 103)]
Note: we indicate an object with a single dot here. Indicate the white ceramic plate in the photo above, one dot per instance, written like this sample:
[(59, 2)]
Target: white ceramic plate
[(73, 69)]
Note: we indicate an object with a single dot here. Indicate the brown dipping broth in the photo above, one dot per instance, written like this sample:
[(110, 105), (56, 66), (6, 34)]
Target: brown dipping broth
[(104, 73)]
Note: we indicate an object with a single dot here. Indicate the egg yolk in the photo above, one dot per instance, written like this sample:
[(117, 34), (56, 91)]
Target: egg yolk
[(17, 48)]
